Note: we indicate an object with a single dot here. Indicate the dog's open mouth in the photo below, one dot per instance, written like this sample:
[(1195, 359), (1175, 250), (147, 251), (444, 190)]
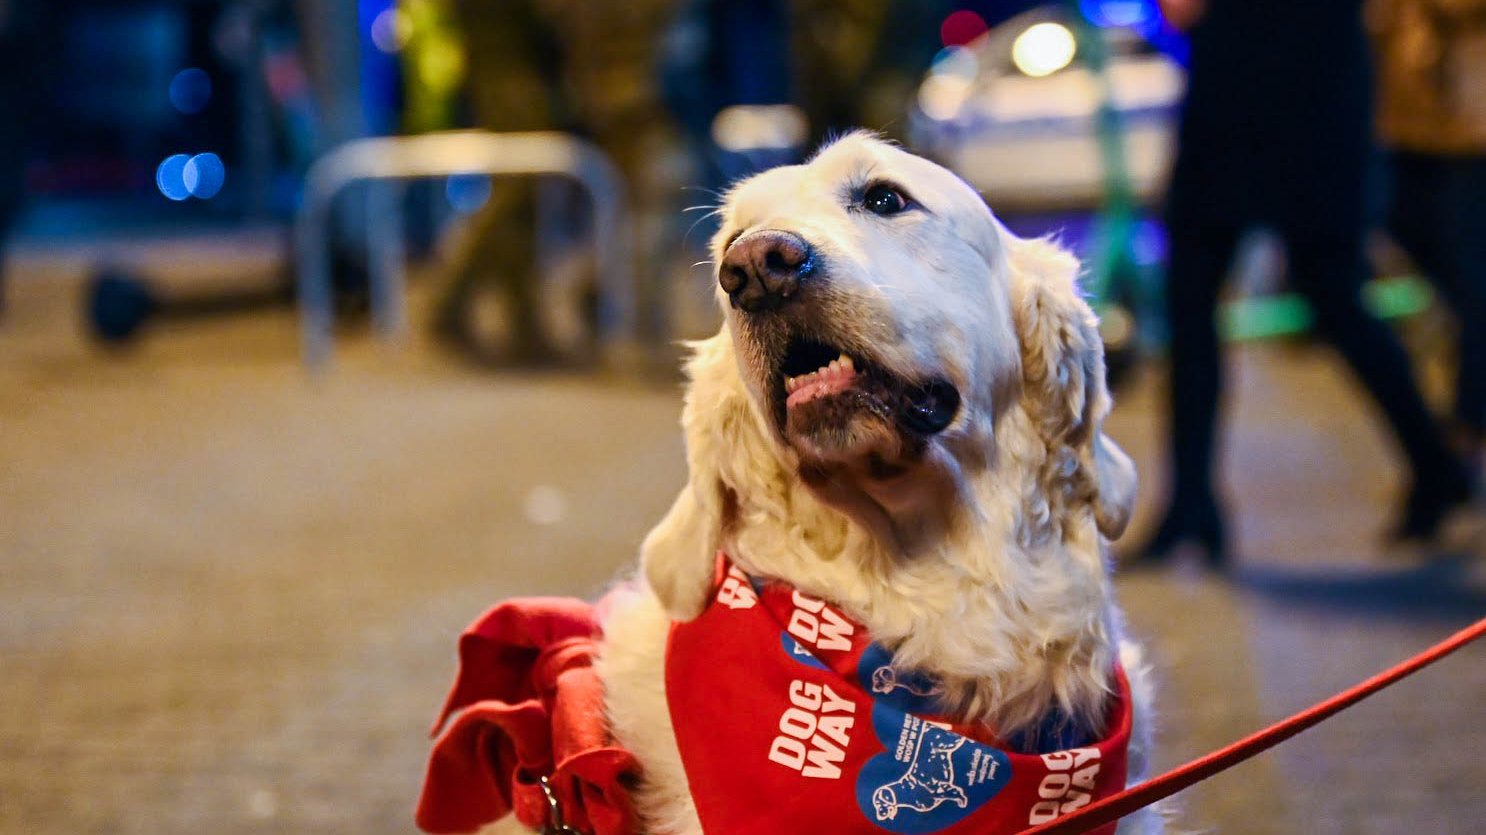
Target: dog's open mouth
[(826, 389)]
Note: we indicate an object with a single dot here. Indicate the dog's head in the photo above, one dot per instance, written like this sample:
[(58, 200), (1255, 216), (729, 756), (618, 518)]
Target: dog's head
[(880, 325), (885, 803), (864, 301)]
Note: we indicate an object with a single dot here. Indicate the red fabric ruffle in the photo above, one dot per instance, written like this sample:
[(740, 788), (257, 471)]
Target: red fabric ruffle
[(528, 703)]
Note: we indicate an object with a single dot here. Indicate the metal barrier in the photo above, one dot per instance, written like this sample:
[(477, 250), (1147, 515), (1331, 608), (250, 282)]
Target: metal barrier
[(393, 160)]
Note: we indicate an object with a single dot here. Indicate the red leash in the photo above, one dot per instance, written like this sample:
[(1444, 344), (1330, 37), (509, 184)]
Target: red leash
[(1117, 806)]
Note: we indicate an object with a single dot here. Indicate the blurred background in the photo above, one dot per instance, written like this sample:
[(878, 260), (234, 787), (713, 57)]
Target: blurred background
[(324, 324)]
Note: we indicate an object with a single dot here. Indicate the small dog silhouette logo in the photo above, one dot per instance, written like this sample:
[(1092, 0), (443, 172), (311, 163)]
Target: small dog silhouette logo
[(929, 781), (886, 679)]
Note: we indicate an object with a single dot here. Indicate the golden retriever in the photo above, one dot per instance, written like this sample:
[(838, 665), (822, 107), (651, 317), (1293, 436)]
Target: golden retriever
[(901, 416)]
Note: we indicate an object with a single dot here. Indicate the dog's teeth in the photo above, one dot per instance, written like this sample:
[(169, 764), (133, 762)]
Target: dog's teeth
[(846, 363), (834, 367), (789, 384)]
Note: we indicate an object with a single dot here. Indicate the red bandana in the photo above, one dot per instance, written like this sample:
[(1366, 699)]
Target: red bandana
[(789, 719)]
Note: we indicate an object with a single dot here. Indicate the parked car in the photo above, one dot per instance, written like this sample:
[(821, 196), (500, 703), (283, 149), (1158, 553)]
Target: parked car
[(1042, 112)]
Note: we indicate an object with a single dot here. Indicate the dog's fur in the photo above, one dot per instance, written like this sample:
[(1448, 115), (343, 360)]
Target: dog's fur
[(977, 553)]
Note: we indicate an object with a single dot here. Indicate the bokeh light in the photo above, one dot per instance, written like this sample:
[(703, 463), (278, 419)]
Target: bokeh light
[(957, 61), (961, 27), (1134, 14), (1148, 245), (170, 177), (1043, 49), (440, 65), (750, 127), (203, 175), (190, 90), (941, 96), (467, 192), (391, 30)]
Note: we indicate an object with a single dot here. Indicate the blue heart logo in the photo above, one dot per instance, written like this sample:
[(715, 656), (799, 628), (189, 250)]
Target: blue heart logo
[(796, 650), (929, 777)]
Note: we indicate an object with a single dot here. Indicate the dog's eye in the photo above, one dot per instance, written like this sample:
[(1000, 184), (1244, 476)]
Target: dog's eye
[(884, 200)]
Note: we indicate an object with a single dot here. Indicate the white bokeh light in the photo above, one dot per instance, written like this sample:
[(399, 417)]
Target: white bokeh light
[(1043, 49)]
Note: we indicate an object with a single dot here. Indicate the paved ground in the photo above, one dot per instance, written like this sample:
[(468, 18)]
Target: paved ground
[(228, 593)]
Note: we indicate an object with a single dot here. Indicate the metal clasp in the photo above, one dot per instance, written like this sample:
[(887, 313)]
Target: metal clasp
[(555, 825)]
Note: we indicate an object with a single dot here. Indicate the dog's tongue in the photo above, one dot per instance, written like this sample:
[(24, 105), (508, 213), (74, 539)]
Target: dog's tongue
[(831, 379)]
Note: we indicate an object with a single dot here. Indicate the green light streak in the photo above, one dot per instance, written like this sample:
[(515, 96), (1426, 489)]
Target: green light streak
[(1267, 317)]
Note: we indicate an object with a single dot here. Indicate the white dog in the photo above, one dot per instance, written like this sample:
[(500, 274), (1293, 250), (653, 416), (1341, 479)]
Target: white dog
[(881, 602), (901, 417)]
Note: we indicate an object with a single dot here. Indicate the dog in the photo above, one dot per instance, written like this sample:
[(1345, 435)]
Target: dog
[(902, 415), (901, 419)]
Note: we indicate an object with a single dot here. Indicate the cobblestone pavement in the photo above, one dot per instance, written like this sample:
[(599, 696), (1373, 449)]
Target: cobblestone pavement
[(229, 593)]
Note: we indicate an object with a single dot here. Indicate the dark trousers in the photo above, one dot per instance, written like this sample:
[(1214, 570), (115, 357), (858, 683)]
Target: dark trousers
[(1438, 215), (1328, 268)]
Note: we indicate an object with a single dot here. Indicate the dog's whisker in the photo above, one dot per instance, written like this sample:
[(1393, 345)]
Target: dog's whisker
[(714, 213), (712, 192)]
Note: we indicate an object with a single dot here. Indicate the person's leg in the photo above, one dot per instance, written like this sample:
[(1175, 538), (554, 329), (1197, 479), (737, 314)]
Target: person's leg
[(1438, 215), (1199, 260), (1329, 269), (1465, 212), (511, 85), (1415, 220), (498, 257)]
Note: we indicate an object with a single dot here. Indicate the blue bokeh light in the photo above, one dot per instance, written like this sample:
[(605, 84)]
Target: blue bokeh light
[(190, 90), (957, 61), (1148, 245), (1140, 15), (467, 192), (170, 177), (203, 175)]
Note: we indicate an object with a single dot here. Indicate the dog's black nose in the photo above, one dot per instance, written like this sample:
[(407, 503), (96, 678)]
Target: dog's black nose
[(763, 270)]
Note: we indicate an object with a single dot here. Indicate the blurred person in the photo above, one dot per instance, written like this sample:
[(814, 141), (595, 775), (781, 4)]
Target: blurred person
[(860, 61), (513, 66), (1432, 120), (1276, 131), (568, 65), (720, 54), (811, 69), (845, 64)]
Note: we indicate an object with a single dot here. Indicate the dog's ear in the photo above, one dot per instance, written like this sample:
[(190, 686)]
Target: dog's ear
[(679, 554), (1063, 382)]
